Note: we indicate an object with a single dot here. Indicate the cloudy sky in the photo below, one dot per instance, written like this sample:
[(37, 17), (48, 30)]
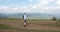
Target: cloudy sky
[(30, 6)]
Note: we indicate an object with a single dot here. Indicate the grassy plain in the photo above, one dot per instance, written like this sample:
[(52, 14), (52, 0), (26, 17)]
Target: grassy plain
[(16, 25)]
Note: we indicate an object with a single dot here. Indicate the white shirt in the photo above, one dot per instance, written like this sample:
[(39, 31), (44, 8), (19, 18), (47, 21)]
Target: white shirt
[(25, 17)]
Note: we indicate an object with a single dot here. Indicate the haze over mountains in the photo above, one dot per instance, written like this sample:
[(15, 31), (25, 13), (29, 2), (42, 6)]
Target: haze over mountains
[(29, 15)]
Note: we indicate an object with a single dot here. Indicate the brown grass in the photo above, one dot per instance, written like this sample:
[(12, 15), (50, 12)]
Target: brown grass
[(33, 24)]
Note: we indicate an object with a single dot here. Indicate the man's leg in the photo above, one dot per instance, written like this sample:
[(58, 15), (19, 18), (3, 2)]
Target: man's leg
[(25, 23)]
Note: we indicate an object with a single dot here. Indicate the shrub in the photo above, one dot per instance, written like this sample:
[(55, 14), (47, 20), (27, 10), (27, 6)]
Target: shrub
[(54, 19)]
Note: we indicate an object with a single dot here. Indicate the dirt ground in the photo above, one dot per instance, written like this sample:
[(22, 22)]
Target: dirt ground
[(31, 24), (16, 31)]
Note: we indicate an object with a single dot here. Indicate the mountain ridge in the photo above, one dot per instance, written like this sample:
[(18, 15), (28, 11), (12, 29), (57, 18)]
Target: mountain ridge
[(30, 15)]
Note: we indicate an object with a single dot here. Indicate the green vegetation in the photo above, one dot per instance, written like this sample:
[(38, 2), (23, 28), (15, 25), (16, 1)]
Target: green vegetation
[(54, 19), (11, 18), (6, 27), (56, 24), (58, 20), (17, 24)]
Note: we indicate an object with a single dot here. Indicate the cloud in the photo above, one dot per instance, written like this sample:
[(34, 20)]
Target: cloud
[(41, 6), (45, 2), (3, 7), (58, 2), (45, 6), (30, 0), (15, 9)]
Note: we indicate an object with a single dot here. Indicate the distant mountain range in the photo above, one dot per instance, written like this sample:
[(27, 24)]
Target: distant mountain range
[(30, 15)]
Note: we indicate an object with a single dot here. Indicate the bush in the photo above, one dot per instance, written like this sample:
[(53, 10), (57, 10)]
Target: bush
[(54, 19)]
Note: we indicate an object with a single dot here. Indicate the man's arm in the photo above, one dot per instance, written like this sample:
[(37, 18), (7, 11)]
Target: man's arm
[(23, 16)]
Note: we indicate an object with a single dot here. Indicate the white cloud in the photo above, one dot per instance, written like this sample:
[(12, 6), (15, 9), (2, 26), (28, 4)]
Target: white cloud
[(30, 0), (45, 2), (34, 7), (40, 7), (24, 9), (58, 2), (4, 8), (16, 9)]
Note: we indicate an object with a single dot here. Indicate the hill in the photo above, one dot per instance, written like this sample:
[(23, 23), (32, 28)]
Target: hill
[(30, 15)]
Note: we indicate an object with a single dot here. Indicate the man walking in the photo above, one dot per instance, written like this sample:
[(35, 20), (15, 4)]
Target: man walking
[(24, 19)]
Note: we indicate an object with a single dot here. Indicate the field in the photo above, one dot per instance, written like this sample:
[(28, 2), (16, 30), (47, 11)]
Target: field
[(16, 25)]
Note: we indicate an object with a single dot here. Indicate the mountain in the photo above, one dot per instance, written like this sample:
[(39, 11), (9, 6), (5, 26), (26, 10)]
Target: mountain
[(3, 15), (30, 15)]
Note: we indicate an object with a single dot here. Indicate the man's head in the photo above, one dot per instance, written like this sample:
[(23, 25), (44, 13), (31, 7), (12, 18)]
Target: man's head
[(24, 13)]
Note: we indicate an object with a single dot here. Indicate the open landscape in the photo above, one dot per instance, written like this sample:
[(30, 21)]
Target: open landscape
[(40, 15), (16, 25)]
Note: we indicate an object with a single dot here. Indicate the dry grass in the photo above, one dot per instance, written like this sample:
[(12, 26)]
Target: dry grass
[(32, 24)]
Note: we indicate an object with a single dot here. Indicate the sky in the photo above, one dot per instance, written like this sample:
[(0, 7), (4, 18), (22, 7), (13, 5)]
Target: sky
[(30, 6)]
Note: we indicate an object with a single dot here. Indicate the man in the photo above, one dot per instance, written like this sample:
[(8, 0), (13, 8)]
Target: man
[(24, 19)]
